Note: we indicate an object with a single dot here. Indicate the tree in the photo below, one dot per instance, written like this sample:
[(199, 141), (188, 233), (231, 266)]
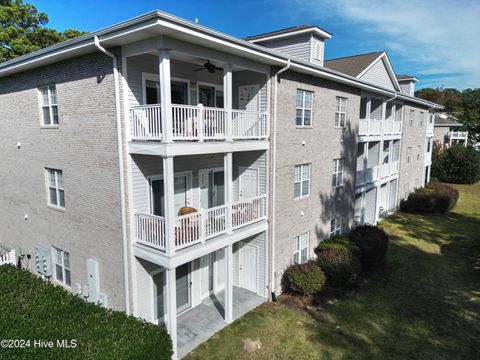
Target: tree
[(457, 164), (22, 30)]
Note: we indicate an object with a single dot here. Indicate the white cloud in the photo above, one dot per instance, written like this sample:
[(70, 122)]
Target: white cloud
[(436, 37)]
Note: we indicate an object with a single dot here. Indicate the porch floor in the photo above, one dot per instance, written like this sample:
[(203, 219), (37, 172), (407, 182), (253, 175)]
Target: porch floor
[(198, 324)]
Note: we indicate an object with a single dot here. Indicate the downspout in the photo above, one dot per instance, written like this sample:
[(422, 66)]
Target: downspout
[(121, 168), (274, 170)]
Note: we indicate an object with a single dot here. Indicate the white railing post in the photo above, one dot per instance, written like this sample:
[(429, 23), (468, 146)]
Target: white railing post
[(201, 122), (169, 198), (228, 174), (165, 94), (227, 99)]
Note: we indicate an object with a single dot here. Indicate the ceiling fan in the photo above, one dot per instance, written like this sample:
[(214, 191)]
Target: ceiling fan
[(211, 68)]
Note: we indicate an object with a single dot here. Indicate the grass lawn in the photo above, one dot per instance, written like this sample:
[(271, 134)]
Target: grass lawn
[(423, 304)]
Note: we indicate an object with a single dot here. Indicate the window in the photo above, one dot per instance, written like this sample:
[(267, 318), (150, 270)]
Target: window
[(429, 145), (405, 190), (421, 118), (301, 185), (336, 226), (419, 150), (300, 251), (62, 266), (337, 176), (409, 154), (56, 193), (340, 112), (410, 119), (49, 105), (363, 108), (304, 108)]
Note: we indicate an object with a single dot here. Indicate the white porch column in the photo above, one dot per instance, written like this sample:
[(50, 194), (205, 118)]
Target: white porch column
[(229, 284), (228, 187), (165, 94), (429, 167), (169, 189), (171, 302), (227, 99)]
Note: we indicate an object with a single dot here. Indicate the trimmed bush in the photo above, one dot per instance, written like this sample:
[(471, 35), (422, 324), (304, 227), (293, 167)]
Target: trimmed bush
[(435, 198), (341, 267), (304, 279), (338, 242), (457, 164), (32, 309), (373, 244)]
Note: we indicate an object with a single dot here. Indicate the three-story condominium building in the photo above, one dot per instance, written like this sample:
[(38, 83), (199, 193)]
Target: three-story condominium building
[(171, 171)]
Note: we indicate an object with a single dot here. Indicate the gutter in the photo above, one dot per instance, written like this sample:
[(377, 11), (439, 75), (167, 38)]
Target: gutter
[(121, 168), (274, 177)]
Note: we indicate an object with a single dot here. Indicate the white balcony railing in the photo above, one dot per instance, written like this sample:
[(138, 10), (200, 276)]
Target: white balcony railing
[(366, 176), (200, 226), (458, 134), (197, 123), (8, 257), (249, 124), (379, 127), (389, 169)]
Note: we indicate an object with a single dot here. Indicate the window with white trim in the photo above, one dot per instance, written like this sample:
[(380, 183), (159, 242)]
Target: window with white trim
[(301, 186), (405, 191), (300, 251), (48, 96), (421, 118), (336, 226), (411, 117), (419, 150), (62, 266), (56, 192), (340, 111), (337, 176), (304, 106), (409, 154)]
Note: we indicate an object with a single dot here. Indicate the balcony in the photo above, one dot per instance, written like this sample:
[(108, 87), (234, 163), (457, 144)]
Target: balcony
[(199, 227), (198, 123), (371, 127), (367, 176), (389, 169)]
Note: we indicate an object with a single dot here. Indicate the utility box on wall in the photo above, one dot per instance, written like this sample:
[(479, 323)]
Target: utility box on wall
[(93, 276), (43, 260)]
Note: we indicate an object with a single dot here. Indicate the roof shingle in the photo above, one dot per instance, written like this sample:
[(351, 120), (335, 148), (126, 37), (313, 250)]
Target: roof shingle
[(352, 65)]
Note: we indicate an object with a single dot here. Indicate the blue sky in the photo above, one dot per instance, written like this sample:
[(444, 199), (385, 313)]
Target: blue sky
[(438, 41)]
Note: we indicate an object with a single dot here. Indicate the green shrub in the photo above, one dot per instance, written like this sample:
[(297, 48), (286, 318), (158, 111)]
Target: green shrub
[(435, 198), (32, 309), (373, 244), (304, 279), (457, 164), (341, 267), (338, 242)]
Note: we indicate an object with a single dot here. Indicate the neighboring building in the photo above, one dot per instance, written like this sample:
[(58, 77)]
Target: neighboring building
[(447, 131), (182, 170)]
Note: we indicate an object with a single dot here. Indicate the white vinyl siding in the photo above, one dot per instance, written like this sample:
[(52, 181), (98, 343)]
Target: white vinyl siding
[(62, 267), (300, 251), (48, 95), (378, 75), (301, 186), (337, 176), (336, 226), (376, 109), (340, 111), (56, 192), (304, 105)]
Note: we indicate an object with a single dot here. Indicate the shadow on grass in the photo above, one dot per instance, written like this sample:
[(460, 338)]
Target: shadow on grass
[(424, 302)]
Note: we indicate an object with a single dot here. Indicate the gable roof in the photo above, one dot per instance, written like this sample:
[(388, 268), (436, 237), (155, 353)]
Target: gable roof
[(352, 65), (291, 31), (358, 65), (443, 119)]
